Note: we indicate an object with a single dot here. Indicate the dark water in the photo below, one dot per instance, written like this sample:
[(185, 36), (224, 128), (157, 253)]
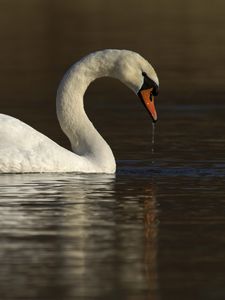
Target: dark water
[(155, 230)]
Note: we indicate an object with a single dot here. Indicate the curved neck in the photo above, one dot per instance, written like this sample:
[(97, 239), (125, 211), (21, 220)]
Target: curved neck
[(84, 138)]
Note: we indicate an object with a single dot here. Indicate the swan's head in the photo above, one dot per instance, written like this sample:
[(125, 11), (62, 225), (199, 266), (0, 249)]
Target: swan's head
[(138, 74)]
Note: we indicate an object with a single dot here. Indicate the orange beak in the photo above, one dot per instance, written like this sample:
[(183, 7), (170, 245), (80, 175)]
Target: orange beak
[(148, 101)]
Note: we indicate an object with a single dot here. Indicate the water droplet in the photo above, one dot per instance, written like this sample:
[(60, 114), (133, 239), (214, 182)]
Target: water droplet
[(153, 141)]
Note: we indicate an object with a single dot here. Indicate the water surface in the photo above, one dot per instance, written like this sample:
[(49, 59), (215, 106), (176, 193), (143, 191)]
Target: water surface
[(151, 231)]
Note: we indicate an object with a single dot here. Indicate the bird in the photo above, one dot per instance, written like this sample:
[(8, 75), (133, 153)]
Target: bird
[(25, 150)]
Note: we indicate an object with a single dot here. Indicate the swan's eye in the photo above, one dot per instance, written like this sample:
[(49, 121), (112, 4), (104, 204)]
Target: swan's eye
[(151, 96)]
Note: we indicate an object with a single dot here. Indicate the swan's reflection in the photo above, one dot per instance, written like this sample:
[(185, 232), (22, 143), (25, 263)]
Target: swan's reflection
[(151, 237), (77, 236)]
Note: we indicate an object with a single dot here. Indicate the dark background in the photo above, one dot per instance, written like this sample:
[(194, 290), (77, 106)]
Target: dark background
[(40, 39)]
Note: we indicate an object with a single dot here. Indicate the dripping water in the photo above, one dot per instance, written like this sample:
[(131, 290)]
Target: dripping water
[(153, 141)]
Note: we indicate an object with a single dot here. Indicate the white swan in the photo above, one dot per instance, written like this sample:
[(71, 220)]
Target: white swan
[(24, 150)]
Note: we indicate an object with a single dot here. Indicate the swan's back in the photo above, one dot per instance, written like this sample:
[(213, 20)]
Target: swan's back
[(13, 130), (24, 149)]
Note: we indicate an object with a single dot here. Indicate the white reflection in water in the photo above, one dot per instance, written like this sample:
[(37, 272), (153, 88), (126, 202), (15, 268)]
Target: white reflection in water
[(77, 235)]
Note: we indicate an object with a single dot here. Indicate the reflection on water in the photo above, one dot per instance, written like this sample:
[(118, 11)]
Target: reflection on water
[(146, 233), (77, 236), (151, 241)]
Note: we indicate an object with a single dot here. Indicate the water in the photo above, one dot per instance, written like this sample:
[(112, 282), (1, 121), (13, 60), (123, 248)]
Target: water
[(81, 237), (155, 229), (153, 138), (152, 231)]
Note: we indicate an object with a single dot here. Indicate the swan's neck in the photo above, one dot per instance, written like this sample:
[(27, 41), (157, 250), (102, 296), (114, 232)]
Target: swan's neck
[(84, 138)]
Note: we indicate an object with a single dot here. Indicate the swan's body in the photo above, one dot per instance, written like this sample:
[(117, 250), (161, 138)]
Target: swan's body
[(23, 149)]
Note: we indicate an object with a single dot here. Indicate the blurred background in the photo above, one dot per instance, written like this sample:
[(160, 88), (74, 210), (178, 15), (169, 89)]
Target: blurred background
[(40, 39)]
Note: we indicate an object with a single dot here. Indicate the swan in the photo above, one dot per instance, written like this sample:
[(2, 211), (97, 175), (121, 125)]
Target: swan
[(25, 150)]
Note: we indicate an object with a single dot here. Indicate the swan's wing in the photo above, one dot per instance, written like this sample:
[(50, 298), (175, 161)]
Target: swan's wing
[(23, 149)]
